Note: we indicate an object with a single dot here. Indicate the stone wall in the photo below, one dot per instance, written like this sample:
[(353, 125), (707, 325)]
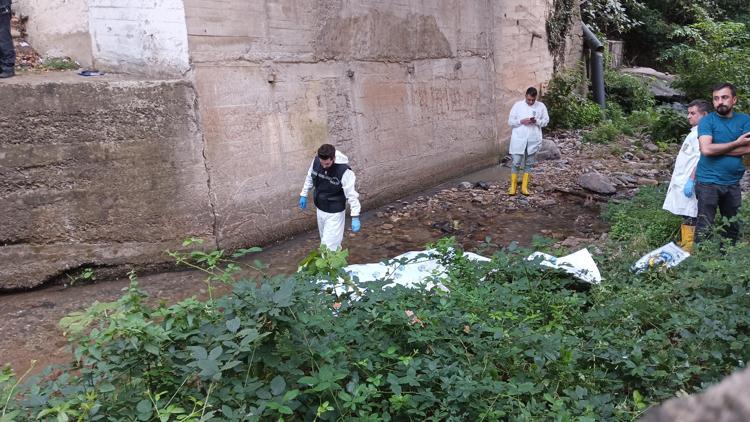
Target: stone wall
[(97, 173)]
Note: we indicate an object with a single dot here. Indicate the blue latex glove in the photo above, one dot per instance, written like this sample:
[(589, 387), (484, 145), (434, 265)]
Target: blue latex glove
[(689, 188), (356, 224), (303, 202)]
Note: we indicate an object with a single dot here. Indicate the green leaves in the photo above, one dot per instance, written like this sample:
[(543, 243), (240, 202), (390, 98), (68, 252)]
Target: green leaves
[(709, 52), (508, 341)]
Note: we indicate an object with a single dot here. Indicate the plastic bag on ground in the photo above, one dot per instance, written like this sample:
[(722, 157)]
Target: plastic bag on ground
[(579, 264), (667, 256)]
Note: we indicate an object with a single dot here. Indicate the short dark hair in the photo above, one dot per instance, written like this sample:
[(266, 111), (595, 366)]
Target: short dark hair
[(701, 105), (326, 151), (532, 92), (725, 85)]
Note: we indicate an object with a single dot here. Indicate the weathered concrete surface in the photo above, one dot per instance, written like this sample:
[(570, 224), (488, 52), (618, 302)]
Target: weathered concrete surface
[(728, 401), (413, 92), (58, 28), (147, 38), (101, 172)]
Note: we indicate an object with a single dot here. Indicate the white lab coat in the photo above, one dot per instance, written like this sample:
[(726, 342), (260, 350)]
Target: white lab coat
[(526, 139), (676, 202), (331, 225)]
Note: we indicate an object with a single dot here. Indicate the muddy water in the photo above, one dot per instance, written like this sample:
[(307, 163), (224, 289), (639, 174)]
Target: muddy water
[(29, 320)]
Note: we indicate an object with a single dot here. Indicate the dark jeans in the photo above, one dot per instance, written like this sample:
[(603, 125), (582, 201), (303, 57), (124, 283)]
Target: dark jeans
[(728, 198), (7, 52)]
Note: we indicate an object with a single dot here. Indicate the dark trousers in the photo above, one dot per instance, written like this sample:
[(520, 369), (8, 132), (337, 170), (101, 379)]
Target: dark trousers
[(7, 52), (727, 198)]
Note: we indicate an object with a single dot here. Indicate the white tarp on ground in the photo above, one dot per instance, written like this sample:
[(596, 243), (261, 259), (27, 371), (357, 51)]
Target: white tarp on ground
[(667, 256), (579, 264), (411, 269)]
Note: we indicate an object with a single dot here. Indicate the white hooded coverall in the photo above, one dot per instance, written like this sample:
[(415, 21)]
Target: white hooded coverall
[(687, 159), (331, 225)]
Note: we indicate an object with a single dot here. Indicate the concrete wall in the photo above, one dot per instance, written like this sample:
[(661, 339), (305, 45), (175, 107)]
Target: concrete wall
[(97, 173), (142, 37), (58, 28), (413, 91)]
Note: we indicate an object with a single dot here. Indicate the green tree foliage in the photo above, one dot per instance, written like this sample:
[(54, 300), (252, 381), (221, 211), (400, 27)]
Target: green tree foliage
[(610, 17), (709, 52)]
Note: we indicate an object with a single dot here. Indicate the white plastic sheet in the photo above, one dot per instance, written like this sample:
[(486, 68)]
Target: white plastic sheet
[(667, 256), (423, 272), (579, 264)]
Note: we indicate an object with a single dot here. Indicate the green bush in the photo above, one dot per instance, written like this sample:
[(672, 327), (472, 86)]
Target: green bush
[(607, 132), (710, 52), (642, 221), (671, 126), (627, 91), (639, 122), (508, 341), (567, 108)]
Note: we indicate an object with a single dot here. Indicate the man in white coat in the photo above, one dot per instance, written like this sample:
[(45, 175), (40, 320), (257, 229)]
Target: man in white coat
[(680, 199), (332, 181), (527, 118)]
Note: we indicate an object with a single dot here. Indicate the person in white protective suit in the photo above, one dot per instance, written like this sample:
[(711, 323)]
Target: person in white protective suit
[(680, 199), (527, 118), (332, 181)]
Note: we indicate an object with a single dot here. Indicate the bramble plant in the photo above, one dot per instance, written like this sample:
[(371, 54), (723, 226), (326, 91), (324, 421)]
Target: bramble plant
[(642, 221), (508, 341)]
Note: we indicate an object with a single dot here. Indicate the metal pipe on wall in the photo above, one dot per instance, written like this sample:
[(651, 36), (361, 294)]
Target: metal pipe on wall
[(597, 65)]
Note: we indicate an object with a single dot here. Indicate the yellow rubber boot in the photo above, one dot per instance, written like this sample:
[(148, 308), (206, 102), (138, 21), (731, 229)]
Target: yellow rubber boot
[(525, 184), (513, 184), (687, 235)]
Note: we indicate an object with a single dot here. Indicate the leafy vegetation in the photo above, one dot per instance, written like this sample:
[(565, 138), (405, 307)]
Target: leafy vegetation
[(509, 341), (641, 222), (568, 108), (710, 52), (59, 63), (670, 126)]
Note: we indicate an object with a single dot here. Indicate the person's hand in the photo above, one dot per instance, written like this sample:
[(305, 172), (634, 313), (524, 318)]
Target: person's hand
[(302, 202), (526, 121), (689, 188), (744, 139), (355, 224)]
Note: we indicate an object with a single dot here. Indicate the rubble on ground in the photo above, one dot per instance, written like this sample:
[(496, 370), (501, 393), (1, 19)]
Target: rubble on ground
[(592, 174)]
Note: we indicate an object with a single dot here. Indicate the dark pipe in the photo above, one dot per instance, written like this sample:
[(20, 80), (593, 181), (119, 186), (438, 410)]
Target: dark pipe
[(597, 65)]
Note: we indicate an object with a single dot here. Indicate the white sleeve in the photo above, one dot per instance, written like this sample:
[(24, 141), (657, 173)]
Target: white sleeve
[(543, 119), (514, 120), (347, 183), (308, 181)]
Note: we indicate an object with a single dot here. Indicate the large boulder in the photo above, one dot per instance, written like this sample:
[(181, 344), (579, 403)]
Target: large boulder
[(728, 401), (548, 151), (597, 182)]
